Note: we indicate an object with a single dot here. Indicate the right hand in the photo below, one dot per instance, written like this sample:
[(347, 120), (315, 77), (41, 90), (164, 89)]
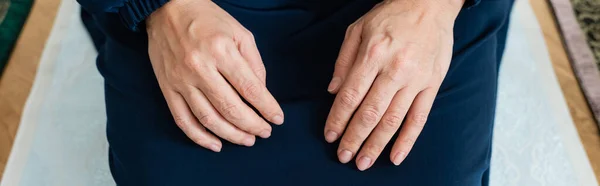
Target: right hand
[(203, 58)]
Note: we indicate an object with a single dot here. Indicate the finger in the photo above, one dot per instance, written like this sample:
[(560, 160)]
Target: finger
[(350, 95), (240, 75), (346, 57), (213, 121), (249, 51), (385, 129), (229, 104), (186, 121), (366, 118), (415, 121)]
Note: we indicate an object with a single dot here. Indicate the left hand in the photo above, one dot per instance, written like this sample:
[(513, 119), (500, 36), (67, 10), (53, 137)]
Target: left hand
[(391, 65)]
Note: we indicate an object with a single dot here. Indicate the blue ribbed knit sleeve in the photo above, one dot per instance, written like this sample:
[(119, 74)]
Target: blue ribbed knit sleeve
[(131, 12), (134, 12)]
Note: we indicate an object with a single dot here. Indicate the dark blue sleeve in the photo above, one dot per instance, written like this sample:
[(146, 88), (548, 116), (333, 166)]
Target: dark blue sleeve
[(134, 12), (131, 12), (471, 3)]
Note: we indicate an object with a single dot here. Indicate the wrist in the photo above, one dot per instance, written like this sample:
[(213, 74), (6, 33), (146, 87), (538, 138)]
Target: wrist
[(444, 12), (434, 7), (171, 10)]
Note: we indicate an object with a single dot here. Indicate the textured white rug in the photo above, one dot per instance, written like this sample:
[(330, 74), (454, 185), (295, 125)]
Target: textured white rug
[(61, 139)]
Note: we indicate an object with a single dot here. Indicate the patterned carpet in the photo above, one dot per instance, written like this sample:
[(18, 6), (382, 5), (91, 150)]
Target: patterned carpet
[(587, 13), (13, 14), (579, 22)]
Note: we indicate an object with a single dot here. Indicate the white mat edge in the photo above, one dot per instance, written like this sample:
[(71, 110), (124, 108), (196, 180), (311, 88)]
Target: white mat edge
[(566, 127)]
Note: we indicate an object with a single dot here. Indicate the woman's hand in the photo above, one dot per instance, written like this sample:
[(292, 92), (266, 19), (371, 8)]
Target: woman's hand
[(203, 58), (390, 67)]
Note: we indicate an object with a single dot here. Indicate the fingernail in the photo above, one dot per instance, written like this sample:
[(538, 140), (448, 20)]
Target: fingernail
[(334, 84), (330, 136), (399, 157), (364, 163), (215, 147), (248, 142), (265, 133), (345, 156), (278, 119)]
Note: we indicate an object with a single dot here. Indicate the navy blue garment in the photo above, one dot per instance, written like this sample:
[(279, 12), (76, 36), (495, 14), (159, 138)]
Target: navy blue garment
[(299, 41)]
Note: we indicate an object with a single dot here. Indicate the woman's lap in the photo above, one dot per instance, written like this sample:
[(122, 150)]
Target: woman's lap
[(453, 149)]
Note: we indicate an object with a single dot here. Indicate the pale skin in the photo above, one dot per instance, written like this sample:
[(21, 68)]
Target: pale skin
[(390, 67)]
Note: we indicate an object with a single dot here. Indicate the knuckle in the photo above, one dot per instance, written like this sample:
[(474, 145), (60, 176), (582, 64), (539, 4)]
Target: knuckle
[(180, 122), (349, 98), (408, 142), (419, 119), (335, 123), (372, 149), (191, 60), (379, 45), (402, 107), (376, 50), (343, 61), (213, 92), (402, 64), (219, 38), (260, 72), (351, 140), (355, 27), (250, 90), (249, 35), (184, 125), (219, 42), (350, 30), (391, 121), (173, 80), (393, 76), (230, 111), (207, 121), (398, 69), (369, 115)]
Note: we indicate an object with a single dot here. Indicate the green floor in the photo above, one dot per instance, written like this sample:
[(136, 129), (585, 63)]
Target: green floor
[(13, 14)]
